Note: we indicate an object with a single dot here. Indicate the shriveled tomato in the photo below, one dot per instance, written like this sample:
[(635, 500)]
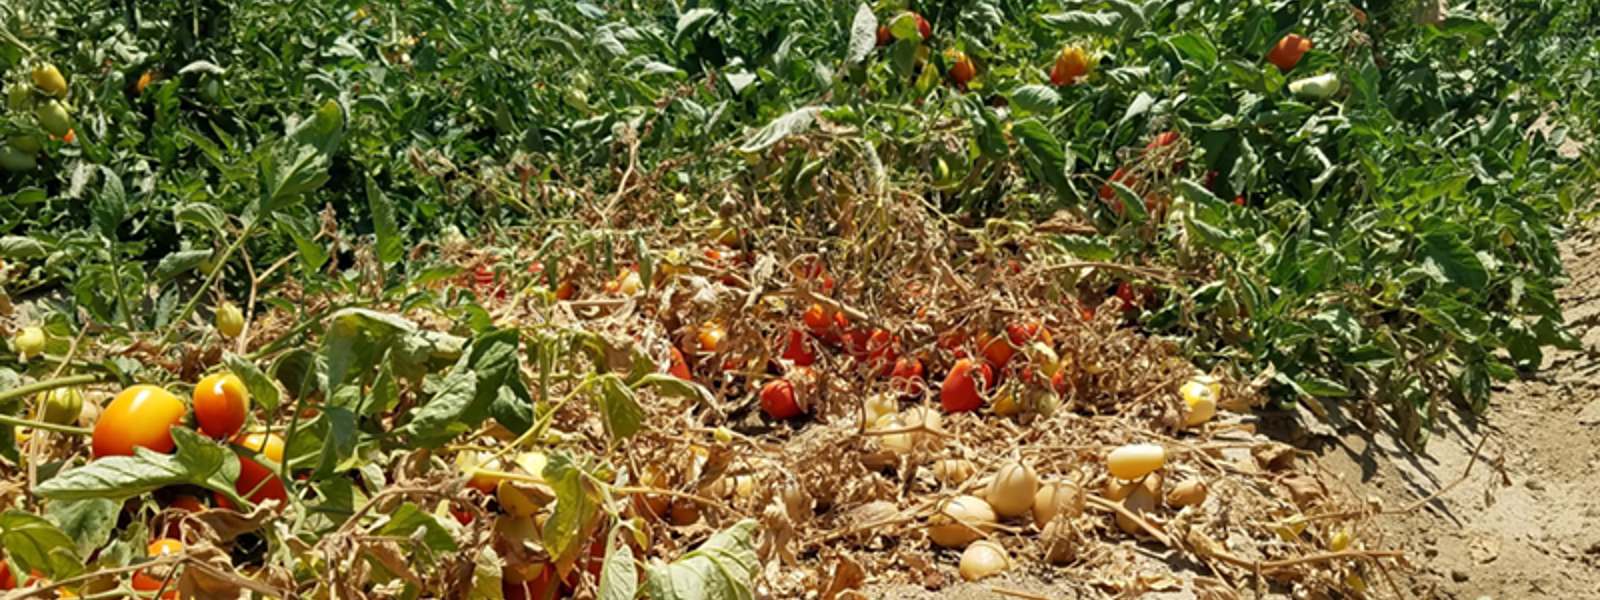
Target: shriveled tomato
[(1071, 66), (797, 349), (146, 583), (906, 378), (679, 368), (221, 404), (964, 387), (856, 343), (961, 68), (258, 483), (1125, 293), (142, 415), (1287, 52), (954, 342)]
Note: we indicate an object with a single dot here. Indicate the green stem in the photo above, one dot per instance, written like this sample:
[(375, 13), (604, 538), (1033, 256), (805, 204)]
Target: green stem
[(16, 422), (211, 278), (50, 384)]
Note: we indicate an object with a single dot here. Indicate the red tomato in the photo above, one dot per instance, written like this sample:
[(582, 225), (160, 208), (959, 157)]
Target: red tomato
[(1166, 138), (1239, 200), (955, 343), (146, 583), (221, 403), (258, 483), (1027, 331), (964, 387), (679, 368), (884, 37), (906, 378), (186, 504), (923, 27), (1109, 194), (142, 415), (996, 350), (1211, 180), (1286, 54), (961, 68), (7, 580), (566, 290), (1125, 293), (855, 343), (778, 400), (797, 350), (882, 352)]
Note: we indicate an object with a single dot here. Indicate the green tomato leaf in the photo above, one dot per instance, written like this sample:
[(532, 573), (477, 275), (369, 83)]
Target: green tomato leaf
[(1052, 158), (572, 522), (261, 388), (198, 461), (178, 263), (619, 410), (720, 569), (89, 521), (390, 243), (35, 544)]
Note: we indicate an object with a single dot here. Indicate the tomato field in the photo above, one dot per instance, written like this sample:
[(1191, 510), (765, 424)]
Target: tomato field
[(756, 298)]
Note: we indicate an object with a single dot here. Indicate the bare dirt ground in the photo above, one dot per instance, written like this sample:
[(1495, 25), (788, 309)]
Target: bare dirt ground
[(1526, 522)]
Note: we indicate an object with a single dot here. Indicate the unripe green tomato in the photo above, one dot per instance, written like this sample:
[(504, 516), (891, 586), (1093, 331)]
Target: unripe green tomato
[(230, 321), (576, 98), (29, 342), (210, 89), (19, 98), (581, 81), (16, 161), (26, 143), (53, 118), (61, 406)]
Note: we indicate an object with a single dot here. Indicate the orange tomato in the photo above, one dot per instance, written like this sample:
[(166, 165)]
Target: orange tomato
[(256, 482), (1071, 66), (7, 580), (1286, 54), (679, 368), (996, 350), (964, 386), (710, 337), (1166, 138), (961, 68), (142, 415), (221, 404), (816, 319), (146, 583)]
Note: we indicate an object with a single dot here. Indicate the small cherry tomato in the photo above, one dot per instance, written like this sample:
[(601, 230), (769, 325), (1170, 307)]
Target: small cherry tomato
[(882, 352), (230, 320), (679, 368), (142, 415), (906, 378), (778, 400), (221, 404), (796, 349)]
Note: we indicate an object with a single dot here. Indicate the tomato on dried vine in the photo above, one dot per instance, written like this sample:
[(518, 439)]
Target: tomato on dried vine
[(964, 387), (146, 583), (256, 482)]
